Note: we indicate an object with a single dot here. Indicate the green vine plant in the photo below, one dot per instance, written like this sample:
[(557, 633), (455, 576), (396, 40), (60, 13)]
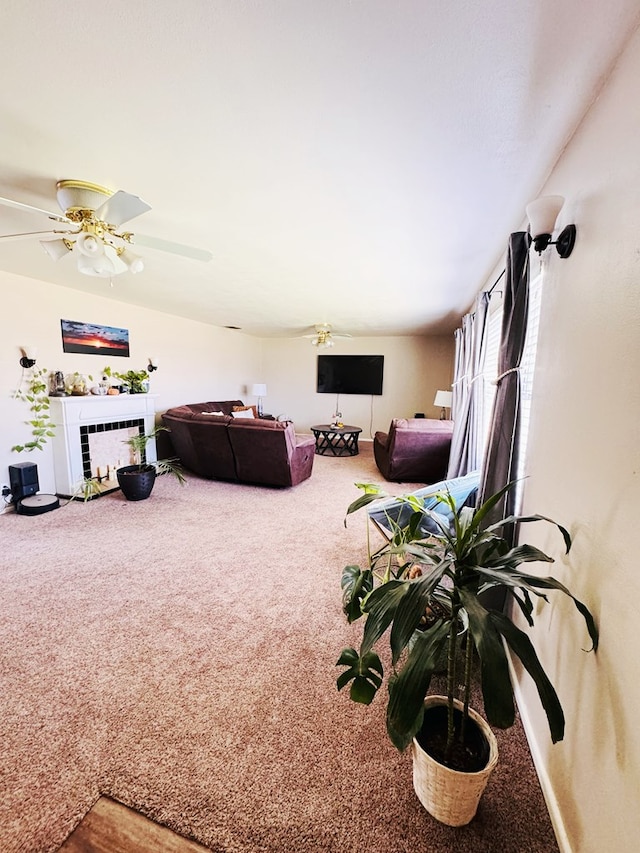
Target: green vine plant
[(36, 394)]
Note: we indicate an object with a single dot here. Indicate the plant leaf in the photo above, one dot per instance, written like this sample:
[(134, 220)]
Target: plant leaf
[(521, 554), (497, 691), (380, 607), (533, 583), (170, 466), (411, 608), (523, 519), (489, 504), (524, 604), (523, 648), (356, 584), (408, 689), (366, 673), (370, 495)]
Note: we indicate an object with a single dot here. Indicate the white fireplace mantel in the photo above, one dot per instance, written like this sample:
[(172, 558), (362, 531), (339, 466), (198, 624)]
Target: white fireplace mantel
[(71, 413)]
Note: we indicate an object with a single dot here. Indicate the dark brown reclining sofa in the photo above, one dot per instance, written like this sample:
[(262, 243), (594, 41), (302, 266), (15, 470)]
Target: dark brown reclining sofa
[(221, 447)]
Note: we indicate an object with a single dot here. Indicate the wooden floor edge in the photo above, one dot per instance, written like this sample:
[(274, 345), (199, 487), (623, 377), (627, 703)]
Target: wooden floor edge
[(112, 827)]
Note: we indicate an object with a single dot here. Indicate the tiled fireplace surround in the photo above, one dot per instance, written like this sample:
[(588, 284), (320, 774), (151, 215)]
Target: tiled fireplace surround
[(90, 432)]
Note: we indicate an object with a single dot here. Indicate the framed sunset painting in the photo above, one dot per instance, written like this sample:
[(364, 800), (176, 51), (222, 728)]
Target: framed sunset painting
[(90, 339)]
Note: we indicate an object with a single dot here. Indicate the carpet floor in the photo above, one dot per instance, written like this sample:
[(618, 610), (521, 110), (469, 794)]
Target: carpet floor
[(178, 654)]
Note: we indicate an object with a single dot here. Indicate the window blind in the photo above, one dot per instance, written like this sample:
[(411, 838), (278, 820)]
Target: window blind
[(527, 374)]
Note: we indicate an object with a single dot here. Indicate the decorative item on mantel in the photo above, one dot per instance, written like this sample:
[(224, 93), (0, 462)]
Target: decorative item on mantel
[(131, 382), (100, 388), (56, 385)]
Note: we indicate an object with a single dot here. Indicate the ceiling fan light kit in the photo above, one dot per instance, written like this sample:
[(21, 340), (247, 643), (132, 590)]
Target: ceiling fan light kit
[(323, 337), (56, 249), (134, 263), (90, 245), (98, 247), (323, 340)]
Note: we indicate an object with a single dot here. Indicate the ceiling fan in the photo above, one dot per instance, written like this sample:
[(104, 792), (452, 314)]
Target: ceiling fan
[(93, 216), (323, 336)]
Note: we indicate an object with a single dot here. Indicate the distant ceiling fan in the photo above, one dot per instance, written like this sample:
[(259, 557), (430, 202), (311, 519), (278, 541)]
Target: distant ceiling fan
[(93, 215), (323, 336)]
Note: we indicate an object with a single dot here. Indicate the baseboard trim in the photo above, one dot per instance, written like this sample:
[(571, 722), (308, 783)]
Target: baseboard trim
[(546, 786)]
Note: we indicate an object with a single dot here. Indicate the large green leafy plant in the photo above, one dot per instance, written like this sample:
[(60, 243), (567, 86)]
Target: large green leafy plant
[(462, 559)]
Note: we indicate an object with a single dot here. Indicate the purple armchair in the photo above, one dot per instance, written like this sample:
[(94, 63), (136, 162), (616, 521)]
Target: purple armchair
[(415, 450)]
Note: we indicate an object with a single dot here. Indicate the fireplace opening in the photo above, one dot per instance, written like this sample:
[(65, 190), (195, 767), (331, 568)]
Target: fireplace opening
[(103, 450)]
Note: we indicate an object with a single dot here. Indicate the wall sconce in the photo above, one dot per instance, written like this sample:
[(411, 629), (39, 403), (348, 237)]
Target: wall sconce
[(28, 356), (259, 390), (443, 399), (542, 214), (152, 364)]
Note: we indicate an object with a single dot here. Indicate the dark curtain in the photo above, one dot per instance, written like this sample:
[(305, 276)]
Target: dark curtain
[(501, 460), (468, 385)]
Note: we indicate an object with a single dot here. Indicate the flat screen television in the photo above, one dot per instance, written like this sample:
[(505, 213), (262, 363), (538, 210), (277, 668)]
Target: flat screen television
[(350, 374)]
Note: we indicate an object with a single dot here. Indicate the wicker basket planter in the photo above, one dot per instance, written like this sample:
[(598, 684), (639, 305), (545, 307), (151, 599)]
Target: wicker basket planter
[(452, 796)]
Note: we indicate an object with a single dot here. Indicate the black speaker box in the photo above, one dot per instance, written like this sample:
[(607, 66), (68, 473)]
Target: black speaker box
[(23, 480)]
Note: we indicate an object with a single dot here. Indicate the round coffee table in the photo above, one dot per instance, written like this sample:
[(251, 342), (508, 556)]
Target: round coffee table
[(336, 441)]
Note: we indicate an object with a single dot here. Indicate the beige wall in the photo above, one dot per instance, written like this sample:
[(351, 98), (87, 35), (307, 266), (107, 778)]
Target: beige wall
[(196, 361), (583, 466), (414, 369), (201, 362)]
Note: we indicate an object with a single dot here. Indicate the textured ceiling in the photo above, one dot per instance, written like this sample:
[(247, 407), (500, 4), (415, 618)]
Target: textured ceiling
[(357, 162)]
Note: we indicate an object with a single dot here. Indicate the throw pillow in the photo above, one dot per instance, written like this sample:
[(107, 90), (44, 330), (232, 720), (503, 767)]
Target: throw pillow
[(213, 413), (253, 409), (243, 413)]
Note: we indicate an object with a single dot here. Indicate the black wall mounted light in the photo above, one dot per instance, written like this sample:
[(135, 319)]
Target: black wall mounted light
[(152, 365), (28, 357), (542, 214)]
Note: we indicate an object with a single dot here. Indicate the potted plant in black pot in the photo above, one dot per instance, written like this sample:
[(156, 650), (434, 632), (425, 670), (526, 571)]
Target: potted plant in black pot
[(462, 559), (136, 481)]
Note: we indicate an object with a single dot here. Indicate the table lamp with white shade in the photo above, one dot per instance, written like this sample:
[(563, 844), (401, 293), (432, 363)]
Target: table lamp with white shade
[(259, 390), (444, 400)]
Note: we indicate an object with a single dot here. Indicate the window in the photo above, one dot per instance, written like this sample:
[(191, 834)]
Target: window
[(527, 373), (490, 372)]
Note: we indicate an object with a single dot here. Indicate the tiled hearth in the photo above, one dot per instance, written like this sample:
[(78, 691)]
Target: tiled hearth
[(90, 432)]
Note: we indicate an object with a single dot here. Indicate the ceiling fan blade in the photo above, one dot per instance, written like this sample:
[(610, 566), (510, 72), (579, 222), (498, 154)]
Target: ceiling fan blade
[(8, 202), (323, 329), (169, 246), (25, 234), (121, 207)]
